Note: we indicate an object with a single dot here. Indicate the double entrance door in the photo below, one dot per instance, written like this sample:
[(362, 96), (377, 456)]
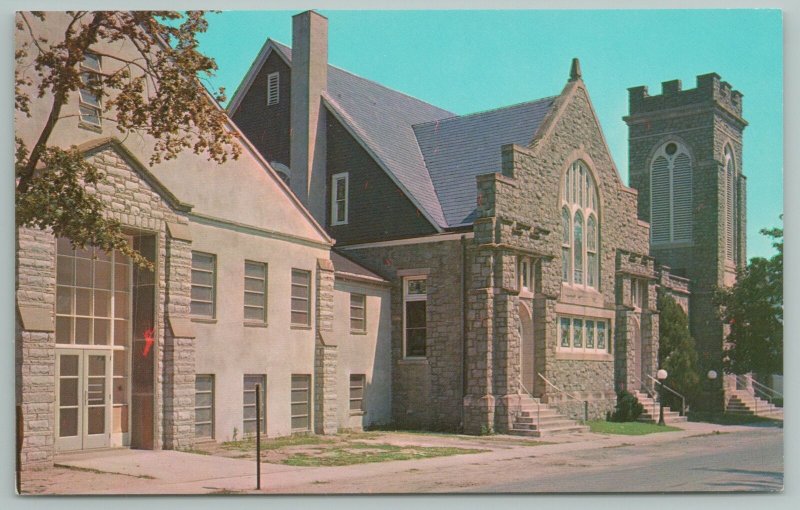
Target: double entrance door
[(83, 398)]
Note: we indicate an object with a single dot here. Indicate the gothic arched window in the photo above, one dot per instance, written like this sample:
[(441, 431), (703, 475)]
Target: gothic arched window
[(580, 228), (671, 195)]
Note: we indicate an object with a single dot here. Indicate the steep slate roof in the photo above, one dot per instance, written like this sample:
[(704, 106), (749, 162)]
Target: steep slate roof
[(383, 118), (458, 149), (347, 267), (432, 152)]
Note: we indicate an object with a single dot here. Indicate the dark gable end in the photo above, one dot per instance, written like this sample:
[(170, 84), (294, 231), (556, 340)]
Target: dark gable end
[(267, 127), (378, 209)]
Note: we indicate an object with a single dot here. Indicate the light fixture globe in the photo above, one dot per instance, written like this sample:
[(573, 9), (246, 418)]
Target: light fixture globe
[(661, 374), (712, 374)]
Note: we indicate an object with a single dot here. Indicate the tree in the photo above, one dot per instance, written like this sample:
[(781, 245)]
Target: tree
[(676, 351), (753, 307), (156, 93)]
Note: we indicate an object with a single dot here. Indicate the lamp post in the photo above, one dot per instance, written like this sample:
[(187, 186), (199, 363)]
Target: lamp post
[(661, 375), (712, 375)]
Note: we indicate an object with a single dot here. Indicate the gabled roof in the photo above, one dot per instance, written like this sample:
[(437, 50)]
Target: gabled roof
[(348, 268), (384, 118), (458, 149), (432, 154)]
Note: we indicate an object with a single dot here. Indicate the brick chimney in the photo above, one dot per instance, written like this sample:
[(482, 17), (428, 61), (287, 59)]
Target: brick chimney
[(308, 122)]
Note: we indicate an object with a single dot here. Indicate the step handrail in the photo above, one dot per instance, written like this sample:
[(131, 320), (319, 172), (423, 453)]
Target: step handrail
[(538, 413), (650, 394), (683, 399), (573, 397), (763, 387)]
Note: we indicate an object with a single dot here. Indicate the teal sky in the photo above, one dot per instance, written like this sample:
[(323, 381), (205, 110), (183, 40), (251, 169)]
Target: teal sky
[(468, 61)]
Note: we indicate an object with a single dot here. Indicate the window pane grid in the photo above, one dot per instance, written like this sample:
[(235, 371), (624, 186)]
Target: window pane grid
[(580, 240), (249, 403), (86, 301), (203, 284), (358, 312), (415, 316), (357, 383), (300, 302), (204, 406), (583, 335), (301, 403), (255, 295)]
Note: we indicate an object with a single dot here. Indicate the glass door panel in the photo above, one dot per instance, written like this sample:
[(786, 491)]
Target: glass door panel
[(97, 408), (68, 392)]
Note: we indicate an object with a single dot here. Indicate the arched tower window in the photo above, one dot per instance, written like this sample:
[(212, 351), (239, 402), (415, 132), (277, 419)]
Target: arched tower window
[(671, 195), (580, 228), (730, 205)]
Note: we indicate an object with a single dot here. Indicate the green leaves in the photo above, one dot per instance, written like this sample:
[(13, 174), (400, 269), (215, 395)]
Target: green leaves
[(753, 308), (676, 350)]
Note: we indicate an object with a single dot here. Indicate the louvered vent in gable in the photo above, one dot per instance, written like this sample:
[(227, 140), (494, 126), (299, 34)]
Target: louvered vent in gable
[(273, 88), (671, 195), (730, 205)]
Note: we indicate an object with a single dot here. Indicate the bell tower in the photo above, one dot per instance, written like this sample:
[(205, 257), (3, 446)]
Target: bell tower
[(685, 157)]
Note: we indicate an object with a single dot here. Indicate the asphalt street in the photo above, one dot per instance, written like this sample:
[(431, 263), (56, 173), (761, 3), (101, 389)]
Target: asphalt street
[(744, 461)]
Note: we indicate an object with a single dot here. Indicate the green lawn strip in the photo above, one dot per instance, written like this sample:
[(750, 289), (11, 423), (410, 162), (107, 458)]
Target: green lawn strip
[(361, 453), (732, 419), (249, 444), (631, 428)]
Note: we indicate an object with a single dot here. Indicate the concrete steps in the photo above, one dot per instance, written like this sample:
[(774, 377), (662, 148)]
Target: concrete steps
[(744, 403), (535, 419), (651, 411)]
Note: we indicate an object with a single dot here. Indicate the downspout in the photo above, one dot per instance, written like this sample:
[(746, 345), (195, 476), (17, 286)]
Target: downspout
[(463, 327)]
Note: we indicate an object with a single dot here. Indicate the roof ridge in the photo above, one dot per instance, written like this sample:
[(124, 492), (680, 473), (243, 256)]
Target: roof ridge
[(373, 82), (491, 110)]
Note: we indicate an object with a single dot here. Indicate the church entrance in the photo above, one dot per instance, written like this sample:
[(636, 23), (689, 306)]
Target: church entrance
[(526, 347)]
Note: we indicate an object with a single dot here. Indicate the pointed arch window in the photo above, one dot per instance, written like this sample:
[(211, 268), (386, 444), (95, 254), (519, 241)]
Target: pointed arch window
[(671, 195), (730, 205), (580, 228)]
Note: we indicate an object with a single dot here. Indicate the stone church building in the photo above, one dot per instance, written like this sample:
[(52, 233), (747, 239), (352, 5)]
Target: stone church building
[(374, 259)]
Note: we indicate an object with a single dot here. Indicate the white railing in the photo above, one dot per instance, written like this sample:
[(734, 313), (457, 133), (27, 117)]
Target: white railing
[(573, 397), (664, 386)]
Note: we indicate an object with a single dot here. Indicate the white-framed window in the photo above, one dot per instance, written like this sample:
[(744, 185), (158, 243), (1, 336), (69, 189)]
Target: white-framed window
[(730, 205), (671, 195), (204, 406), (357, 384), (301, 403), (580, 224), (525, 271), (301, 297), (340, 195), (249, 403), (584, 334), (358, 313), (255, 292), (273, 88), (204, 282), (90, 106), (415, 311)]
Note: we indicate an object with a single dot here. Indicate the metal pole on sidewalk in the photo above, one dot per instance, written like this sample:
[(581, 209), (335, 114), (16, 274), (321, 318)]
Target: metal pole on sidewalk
[(258, 437)]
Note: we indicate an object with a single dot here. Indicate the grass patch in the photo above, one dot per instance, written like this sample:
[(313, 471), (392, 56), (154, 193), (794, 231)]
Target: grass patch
[(629, 428), (733, 419), (361, 453), (249, 444)]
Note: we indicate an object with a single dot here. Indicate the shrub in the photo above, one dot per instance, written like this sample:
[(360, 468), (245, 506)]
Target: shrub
[(628, 407)]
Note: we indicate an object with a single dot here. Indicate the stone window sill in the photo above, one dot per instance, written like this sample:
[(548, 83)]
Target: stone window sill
[(357, 413), (203, 320), (357, 332), (413, 361), (584, 356), (299, 326), (255, 324)]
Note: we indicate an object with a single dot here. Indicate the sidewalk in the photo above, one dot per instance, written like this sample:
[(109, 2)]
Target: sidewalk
[(124, 471)]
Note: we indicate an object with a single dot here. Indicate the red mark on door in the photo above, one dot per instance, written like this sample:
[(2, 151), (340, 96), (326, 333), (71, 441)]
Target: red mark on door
[(148, 342)]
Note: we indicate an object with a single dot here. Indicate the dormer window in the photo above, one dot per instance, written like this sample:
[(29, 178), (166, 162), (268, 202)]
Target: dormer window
[(273, 88), (339, 198), (89, 105)]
